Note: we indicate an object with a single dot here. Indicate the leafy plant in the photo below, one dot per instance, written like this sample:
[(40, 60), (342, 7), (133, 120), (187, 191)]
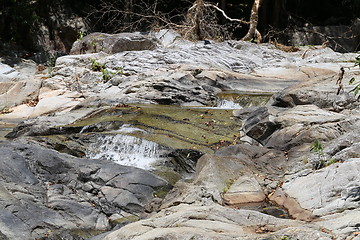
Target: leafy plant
[(106, 73), (81, 35), (317, 148), (285, 238), (352, 81), (96, 66), (322, 160)]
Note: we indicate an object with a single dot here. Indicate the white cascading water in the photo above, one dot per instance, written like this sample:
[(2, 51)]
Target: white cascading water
[(126, 150), (228, 104)]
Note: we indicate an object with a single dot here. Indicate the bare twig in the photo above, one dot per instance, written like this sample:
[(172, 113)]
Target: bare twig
[(226, 16), (339, 81)]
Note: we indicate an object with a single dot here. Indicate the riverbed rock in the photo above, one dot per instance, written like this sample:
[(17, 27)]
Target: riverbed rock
[(186, 222), (163, 68), (305, 123), (217, 173), (17, 88), (244, 190), (44, 192), (259, 125), (327, 190), (113, 43), (345, 223), (321, 90)]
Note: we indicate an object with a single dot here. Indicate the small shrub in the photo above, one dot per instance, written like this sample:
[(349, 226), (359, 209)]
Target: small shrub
[(320, 160), (96, 66), (316, 147), (107, 74), (285, 238)]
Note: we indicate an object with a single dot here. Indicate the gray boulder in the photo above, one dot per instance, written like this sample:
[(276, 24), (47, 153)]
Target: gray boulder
[(328, 190), (16, 87), (320, 90), (304, 124), (113, 43), (44, 193), (259, 125)]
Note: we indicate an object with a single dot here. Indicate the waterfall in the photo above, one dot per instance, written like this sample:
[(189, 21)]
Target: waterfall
[(126, 150), (228, 104)]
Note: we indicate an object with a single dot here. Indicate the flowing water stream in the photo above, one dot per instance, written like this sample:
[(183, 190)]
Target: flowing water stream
[(127, 150), (145, 140)]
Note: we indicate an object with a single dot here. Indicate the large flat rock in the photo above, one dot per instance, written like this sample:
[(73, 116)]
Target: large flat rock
[(214, 222), (328, 190)]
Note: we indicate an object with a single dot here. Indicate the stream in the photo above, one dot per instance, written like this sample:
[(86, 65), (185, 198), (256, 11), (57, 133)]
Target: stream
[(144, 135)]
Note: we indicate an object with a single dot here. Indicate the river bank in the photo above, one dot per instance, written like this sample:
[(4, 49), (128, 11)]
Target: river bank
[(245, 172)]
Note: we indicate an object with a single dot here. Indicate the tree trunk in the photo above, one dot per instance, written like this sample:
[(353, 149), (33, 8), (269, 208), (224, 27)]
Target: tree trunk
[(198, 18), (254, 18)]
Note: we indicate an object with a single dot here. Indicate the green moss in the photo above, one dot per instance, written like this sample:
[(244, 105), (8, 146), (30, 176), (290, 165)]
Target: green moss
[(247, 99), (229, 183)]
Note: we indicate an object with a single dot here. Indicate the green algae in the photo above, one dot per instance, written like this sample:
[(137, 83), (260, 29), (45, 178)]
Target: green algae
[(246, 99), (176, 127), (169, 175)]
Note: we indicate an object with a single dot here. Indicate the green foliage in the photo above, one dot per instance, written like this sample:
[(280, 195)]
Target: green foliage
[(331, 161), (285, 238), (81, 35), (322, 160), (316, 147), (96, 66), (107, 74), (352, 81), (229, 183)]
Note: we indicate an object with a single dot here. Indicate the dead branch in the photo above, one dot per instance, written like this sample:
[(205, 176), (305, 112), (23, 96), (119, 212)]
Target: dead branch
[(200, 21), (116, 18), (339, 81), (224, 14)]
